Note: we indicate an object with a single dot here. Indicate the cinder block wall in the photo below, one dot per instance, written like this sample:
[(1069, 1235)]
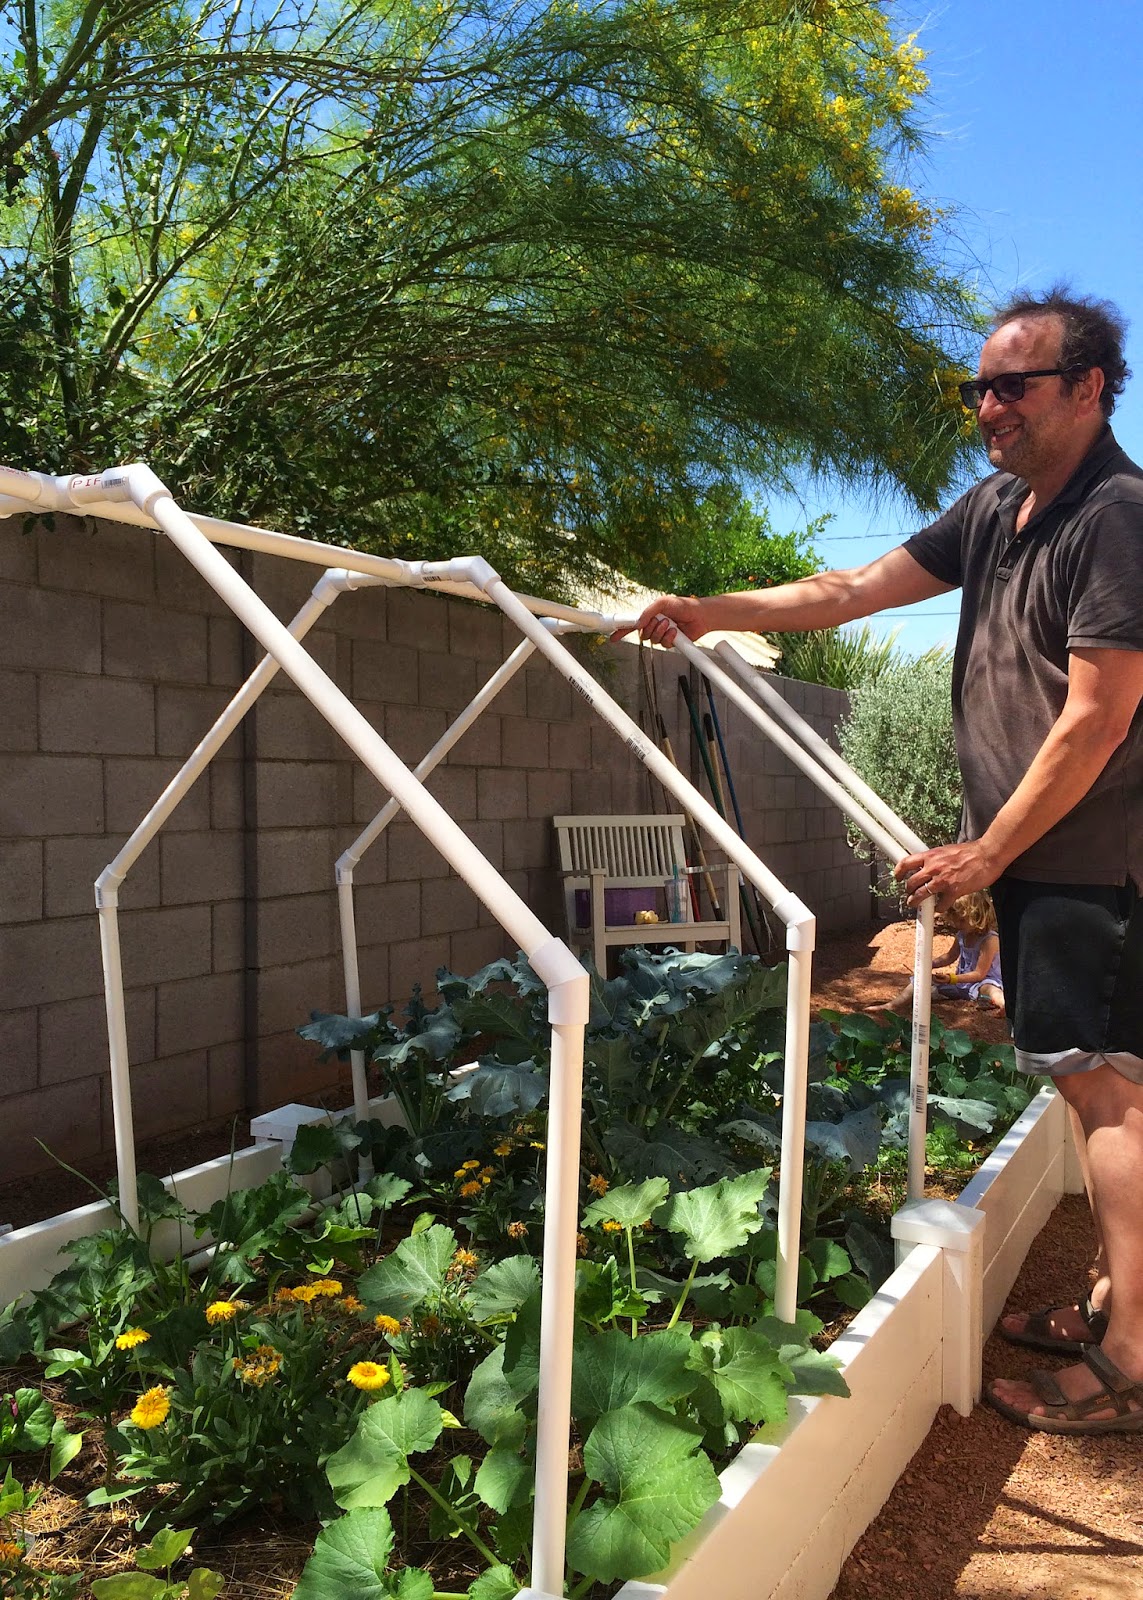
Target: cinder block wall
[(115, 657)]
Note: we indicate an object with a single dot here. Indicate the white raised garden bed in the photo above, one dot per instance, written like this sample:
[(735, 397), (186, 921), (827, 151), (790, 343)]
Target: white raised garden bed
[(797, 1498)]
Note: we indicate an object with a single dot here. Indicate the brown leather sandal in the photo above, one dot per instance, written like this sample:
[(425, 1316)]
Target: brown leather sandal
[(1075, 1416), (1037, 1331)]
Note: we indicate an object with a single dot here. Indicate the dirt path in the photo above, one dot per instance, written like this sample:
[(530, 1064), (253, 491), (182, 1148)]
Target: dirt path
[(987, 1511)]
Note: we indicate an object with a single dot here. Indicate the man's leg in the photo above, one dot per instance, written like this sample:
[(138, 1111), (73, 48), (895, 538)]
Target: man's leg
[(1110, 1110)]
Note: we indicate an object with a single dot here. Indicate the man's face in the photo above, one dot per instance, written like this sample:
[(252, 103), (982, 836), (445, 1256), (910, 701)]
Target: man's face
[(1028, 437)]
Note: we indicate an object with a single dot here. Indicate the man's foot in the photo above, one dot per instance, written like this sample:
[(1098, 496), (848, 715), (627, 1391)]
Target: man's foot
[(1094, 1397), (1061, 1330)]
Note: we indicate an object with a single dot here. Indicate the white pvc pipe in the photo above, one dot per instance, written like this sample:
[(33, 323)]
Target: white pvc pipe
[(919, 1050), (794, 1092), (108, 883)]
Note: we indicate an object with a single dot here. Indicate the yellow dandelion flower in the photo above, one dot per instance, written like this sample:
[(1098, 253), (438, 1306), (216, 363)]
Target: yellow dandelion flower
[(581, 1244), (284, 1296), (468, 1189), (225, 1310), (257, 1369), (613, 1227), (517, 1230), (306, 1293), (327, 1287), (486, 1172), (430, 1324), (10, 1552), (386, 1324), (469, 1166), (598, 1184), (484, 1182), (504, 1149), (465, 1259), (131, 1337), (537, 1144), (459, 1173), (151, 1408), (368, 1375), (350, 1304)]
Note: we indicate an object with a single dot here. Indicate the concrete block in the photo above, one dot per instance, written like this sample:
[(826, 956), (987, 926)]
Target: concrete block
[(18, 1051), (416, 961), (65, 1117), (45, 961), (296, 860), (96, 716), (71, 867), (384, 672), (571, 746), (100, 558), (225, 663), (417, 619), (289, 729), (228, 936), (411, 731), (287, 995), (21, 880), (480, 746), (184, 715), (227, 784), (160, 946), (226, 1080), (529, 844), (18, 726), (524, 742), (18, 549), (446, 680), (297, 928), (373, 866), (795, 824), (149, 642), (501, 794), (166, 1096), (41, 631), (202, 866), (512, 701), (373, 971), (455, 788), (289, 1067), (549, 695), (181, 587), (73, 1035), (297, 794), (412, 855), (488, 837), (132, 785), (362, 614), (591, 793), (198, 1012), (549, 793), (447, 906), (474, 629), (473, 948)]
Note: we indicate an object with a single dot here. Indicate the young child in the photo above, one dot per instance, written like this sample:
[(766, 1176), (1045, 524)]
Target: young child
[(977, 972)]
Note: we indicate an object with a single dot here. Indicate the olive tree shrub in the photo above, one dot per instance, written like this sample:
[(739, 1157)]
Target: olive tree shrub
[(899, 737)]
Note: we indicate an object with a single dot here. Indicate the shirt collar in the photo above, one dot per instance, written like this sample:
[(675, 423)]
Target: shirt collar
[(1104, 458)]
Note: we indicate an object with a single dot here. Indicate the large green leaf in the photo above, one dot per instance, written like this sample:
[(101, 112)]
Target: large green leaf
[(744, 1378), (164, 1549), (815, 1371), (412, 1275), (350, 1559), (631, 1205), (129, 1586), (501, 1089), (500, 1291), (655, 1491), (504, 1478), (26, 1422), (498, 1015), (338, 1035), (720, 1218), (602, 1293), (667, 1152), (612, 1370), (498, 1583), (493, 1400), (375, 1463)]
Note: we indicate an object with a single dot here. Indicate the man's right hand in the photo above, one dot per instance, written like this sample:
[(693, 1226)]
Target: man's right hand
[(670, 614)]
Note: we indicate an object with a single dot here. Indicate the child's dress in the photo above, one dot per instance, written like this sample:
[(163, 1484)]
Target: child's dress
[(968, 954)]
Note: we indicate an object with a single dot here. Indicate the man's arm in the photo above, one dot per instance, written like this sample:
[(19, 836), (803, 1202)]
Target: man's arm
[(1105, 688), (821, 601)]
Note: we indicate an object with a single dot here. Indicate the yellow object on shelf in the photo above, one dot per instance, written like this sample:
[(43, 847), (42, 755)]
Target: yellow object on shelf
[(646, 916)]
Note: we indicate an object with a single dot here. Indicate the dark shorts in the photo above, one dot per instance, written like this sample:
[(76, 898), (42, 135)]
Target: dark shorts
[(1072, 959)]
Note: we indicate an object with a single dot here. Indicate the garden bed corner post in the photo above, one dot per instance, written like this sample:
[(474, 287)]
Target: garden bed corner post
[(958, 1232)]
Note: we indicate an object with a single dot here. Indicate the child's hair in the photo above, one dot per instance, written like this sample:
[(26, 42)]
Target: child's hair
[(975, 911)]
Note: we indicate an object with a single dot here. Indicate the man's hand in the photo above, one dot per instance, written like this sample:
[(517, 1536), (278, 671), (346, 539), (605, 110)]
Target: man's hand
[(671, 614), (944, 874)]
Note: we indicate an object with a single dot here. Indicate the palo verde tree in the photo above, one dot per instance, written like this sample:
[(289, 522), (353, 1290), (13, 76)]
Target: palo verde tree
[(543, 279)]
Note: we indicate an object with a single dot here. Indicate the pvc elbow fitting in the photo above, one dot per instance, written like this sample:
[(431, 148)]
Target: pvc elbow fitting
[(569, 987), (801, 924)]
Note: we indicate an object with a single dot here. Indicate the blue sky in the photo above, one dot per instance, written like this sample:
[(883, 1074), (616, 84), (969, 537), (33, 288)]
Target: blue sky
[(1037, 141)]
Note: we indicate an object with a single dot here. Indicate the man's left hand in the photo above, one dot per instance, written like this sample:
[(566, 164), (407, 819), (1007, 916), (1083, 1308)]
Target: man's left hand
[(944, 874)]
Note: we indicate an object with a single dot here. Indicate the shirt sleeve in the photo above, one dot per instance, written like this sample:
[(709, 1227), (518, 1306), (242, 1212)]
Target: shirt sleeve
[(939, 547), (1105, 579)]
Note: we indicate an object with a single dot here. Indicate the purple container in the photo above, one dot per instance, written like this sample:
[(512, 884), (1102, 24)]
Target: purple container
[(619, 906)]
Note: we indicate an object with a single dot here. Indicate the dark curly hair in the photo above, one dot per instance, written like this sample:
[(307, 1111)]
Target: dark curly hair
[(1094, 331)]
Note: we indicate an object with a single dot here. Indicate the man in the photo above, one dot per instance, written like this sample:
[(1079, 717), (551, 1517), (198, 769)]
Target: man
[(1047, 690)]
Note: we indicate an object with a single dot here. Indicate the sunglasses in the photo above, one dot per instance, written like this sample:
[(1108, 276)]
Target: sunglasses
[(1006, 386)]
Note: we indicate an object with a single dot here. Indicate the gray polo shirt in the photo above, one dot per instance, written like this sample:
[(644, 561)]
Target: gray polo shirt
[(1071, 579)]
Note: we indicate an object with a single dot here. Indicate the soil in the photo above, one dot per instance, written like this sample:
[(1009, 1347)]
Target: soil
[(990, 1511)]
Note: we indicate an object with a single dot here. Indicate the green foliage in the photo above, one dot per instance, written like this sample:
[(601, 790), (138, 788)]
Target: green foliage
[(458, 278), (164, 1550), (898, 736), (735, 548), (845, 658), (19, 1579), (351, 1562)]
